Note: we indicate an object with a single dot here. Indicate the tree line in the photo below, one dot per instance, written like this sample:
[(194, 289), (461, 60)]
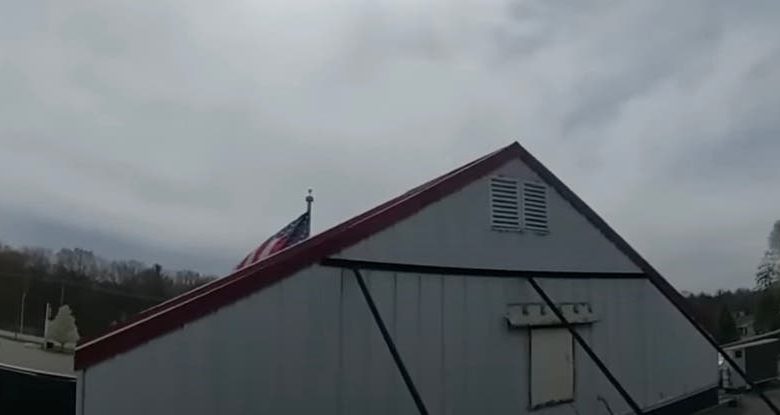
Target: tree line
[(719, 312), (103, 292), (100, 292)]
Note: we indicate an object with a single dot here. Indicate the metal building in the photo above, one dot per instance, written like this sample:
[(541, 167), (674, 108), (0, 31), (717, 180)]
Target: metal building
[(759, 360), (492, 289)]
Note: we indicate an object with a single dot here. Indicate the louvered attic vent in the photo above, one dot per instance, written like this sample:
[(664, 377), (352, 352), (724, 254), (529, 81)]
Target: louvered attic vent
[(517, 206), (504, 204), (535, 207)]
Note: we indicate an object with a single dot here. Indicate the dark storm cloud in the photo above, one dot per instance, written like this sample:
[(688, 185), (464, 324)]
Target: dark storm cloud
[(31, 230), (187, 131)]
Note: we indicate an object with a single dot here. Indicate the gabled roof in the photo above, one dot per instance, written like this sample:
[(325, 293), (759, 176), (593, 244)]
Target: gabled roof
[(752, 343), (175, 313), (774, 334)]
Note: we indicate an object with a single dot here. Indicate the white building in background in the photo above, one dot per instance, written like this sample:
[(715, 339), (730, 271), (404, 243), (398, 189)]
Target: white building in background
[(469, 276), (745, 324)]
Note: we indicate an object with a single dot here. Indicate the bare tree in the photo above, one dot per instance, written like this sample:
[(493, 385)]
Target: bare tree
[(77, 262), (125, 270), (37, 260)]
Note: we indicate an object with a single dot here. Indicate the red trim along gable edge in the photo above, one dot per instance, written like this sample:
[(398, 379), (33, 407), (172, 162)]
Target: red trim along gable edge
[(243, 271), (177, 312)]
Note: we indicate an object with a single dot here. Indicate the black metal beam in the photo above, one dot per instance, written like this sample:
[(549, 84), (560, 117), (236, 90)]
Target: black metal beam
[(668, 291), (477, 272), (655, 277), (581, 341), (390, 344), (529, 275)]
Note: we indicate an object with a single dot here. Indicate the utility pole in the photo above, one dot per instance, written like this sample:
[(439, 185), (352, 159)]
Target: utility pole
[(21, 313), (46, 318)]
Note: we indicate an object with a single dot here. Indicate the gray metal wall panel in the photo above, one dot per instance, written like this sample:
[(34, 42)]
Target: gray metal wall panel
[(276, 351), (485, 365), (309, 344), (761, 362), (644, 340), (430, 335), (456, 232)]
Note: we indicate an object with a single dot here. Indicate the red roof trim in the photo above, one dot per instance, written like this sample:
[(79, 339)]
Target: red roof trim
[(207, 299), (197, 303)]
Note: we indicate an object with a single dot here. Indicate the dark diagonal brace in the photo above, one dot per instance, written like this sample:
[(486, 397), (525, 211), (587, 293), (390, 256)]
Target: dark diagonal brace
[(390, 345), (631, 402)]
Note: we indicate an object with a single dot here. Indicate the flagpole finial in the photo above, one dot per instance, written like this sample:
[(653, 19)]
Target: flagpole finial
[(309, 201)]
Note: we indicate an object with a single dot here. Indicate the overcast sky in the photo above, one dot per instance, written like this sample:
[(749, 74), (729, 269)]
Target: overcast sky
[(185, 132)]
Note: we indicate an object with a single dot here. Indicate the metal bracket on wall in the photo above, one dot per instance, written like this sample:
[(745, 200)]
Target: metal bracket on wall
[(529, 275), (593, 356)]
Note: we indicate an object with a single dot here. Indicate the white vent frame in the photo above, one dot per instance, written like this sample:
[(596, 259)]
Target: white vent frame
[(535, 207), (505, 204)]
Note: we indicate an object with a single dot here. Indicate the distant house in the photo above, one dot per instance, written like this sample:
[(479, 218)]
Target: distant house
[(490, 289), (744, 324), (774, 334)]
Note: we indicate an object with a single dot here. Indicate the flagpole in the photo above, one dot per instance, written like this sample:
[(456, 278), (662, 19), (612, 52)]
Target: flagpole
[(309, 201)]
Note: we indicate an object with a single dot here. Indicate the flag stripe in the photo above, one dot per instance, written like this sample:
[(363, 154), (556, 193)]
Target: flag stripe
[(294, 232), (244, 261), (278, 245), (259, 250), (266, 249)]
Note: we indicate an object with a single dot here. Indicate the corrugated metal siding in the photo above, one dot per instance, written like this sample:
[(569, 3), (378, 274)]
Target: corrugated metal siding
[(304, 345), (457, 232), (761, 362), (647, 344), (308, 344), (643, 339)]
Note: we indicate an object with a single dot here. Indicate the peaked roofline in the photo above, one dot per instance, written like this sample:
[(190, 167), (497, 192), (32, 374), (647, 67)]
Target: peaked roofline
[(192, 305), (174, 313)]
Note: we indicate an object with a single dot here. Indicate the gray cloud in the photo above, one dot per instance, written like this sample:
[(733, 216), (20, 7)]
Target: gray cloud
[(177, 132)]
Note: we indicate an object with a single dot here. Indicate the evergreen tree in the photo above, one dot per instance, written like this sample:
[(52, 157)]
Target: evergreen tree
[(774, 237), (727, 327), (767, 312), (768, 270)]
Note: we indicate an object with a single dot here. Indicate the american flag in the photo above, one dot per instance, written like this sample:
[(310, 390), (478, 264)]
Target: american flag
[(291, 234)]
